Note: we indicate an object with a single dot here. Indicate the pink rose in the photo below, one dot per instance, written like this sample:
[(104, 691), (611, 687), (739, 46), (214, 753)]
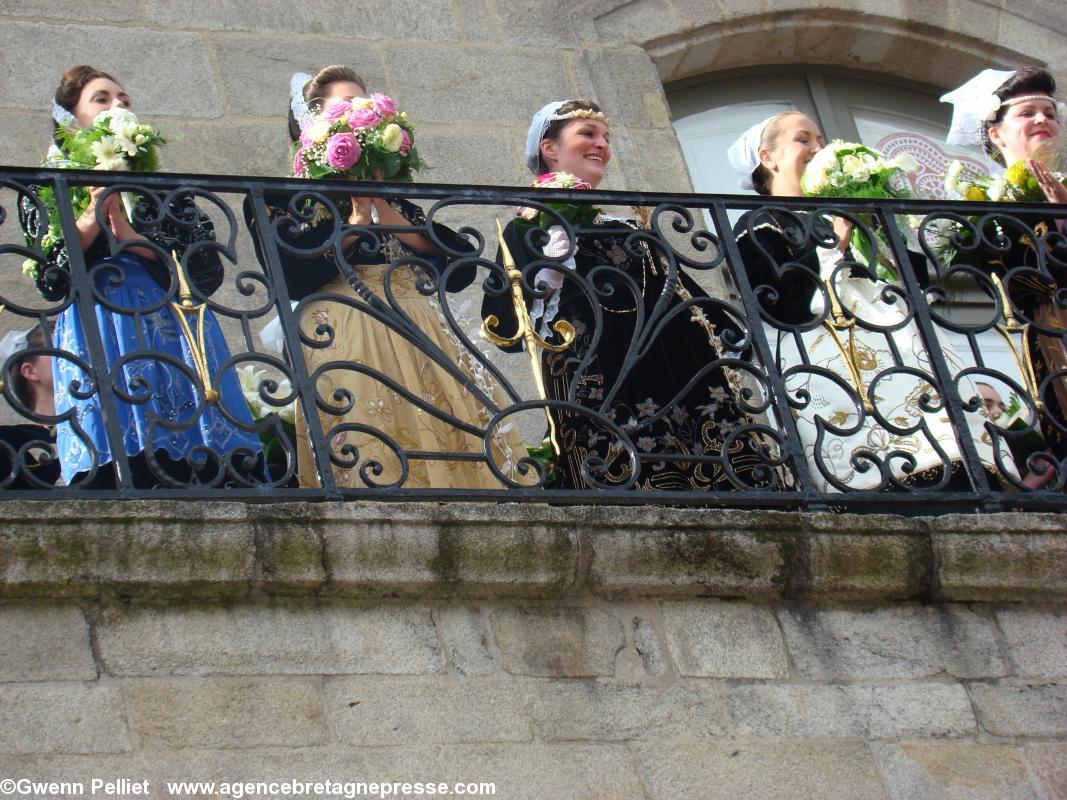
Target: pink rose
[(342, 151), (383, 104), (305, 140), (337, 110), (363, 118), (405, 143), (298, 163)]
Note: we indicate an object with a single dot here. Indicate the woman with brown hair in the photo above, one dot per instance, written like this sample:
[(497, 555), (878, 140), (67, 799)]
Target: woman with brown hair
[(1016, 118), (175, 430), (27, 450), (401, 400)]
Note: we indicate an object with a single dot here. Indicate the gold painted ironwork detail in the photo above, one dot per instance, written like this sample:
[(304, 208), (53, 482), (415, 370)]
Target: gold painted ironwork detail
[(1024, 362), (197, 342), (848, 353), (526, 332)]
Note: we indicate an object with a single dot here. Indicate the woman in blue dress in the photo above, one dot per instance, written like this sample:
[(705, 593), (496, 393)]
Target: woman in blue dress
[(179, 424)]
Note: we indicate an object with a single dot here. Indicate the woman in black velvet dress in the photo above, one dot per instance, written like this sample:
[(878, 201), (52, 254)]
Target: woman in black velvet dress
[(648, 394)]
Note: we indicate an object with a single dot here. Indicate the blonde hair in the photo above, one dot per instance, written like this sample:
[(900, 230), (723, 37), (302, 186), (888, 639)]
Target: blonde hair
[(761, 176)]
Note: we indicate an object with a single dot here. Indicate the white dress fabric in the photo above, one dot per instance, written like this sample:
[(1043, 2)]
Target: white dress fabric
[(911, 435)]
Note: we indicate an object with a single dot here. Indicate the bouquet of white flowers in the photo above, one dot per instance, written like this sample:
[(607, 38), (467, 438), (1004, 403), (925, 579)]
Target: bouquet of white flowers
[(115, 141), (845, 169)]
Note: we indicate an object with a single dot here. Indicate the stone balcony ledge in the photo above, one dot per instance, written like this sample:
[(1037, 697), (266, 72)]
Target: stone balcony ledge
[(163, 550)]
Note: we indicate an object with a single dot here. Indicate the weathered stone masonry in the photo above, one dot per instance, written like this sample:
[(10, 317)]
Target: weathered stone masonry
[(670, 653)]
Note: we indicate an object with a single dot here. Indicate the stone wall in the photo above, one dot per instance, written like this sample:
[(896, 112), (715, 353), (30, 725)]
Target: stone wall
[(558, 653)]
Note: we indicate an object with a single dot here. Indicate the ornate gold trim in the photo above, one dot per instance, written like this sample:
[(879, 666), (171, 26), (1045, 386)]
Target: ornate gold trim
[(526, 332), (196, 343)]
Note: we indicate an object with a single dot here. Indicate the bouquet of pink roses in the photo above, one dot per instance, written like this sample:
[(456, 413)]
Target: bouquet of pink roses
[(364, 138), (577, 214)]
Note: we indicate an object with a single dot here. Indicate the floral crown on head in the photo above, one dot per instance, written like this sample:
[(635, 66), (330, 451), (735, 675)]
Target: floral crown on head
[(580, 113)]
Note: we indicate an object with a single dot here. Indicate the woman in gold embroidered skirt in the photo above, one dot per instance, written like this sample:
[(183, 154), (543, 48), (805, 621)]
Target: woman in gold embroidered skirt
[(392, 414)]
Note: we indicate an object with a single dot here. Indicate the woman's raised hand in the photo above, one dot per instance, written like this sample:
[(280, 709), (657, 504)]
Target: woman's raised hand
[(1054, 191), (88, 227), (843, 231)]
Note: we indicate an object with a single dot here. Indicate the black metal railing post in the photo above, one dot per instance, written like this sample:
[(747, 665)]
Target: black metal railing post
[(950, 395), (784, 414), (82, 286), (290, 328)]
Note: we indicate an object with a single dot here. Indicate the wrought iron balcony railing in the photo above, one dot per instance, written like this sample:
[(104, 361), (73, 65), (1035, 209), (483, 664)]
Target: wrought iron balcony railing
[(211, 336)]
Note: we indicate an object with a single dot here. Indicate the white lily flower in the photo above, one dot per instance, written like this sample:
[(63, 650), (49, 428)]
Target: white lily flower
[(251, 379)]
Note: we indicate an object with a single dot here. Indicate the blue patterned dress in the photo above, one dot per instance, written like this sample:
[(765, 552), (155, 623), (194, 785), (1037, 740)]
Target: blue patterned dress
[(160, 403)]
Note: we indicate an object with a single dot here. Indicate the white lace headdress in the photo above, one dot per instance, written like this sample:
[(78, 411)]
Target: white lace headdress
[(12, 343), (974, 104), (63, 117), (743, 154), (302, 112)]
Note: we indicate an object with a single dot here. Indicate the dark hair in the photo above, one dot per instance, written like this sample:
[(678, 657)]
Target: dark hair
[(1028, 80), (19, 385), (761, 176), (71, 84), (555, 128), (313, 89)]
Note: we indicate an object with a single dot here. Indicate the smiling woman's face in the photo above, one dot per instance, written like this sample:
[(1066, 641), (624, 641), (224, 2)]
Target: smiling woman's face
[(583, 149), (798, 140), (1030, 129)]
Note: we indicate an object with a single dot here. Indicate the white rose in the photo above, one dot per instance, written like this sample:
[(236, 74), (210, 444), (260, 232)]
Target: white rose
[(319, 130), (392, 137), (851, 165), (996, 189), (907, 162)]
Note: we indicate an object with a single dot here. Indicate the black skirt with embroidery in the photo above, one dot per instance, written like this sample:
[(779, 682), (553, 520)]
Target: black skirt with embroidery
[(649, 366)]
